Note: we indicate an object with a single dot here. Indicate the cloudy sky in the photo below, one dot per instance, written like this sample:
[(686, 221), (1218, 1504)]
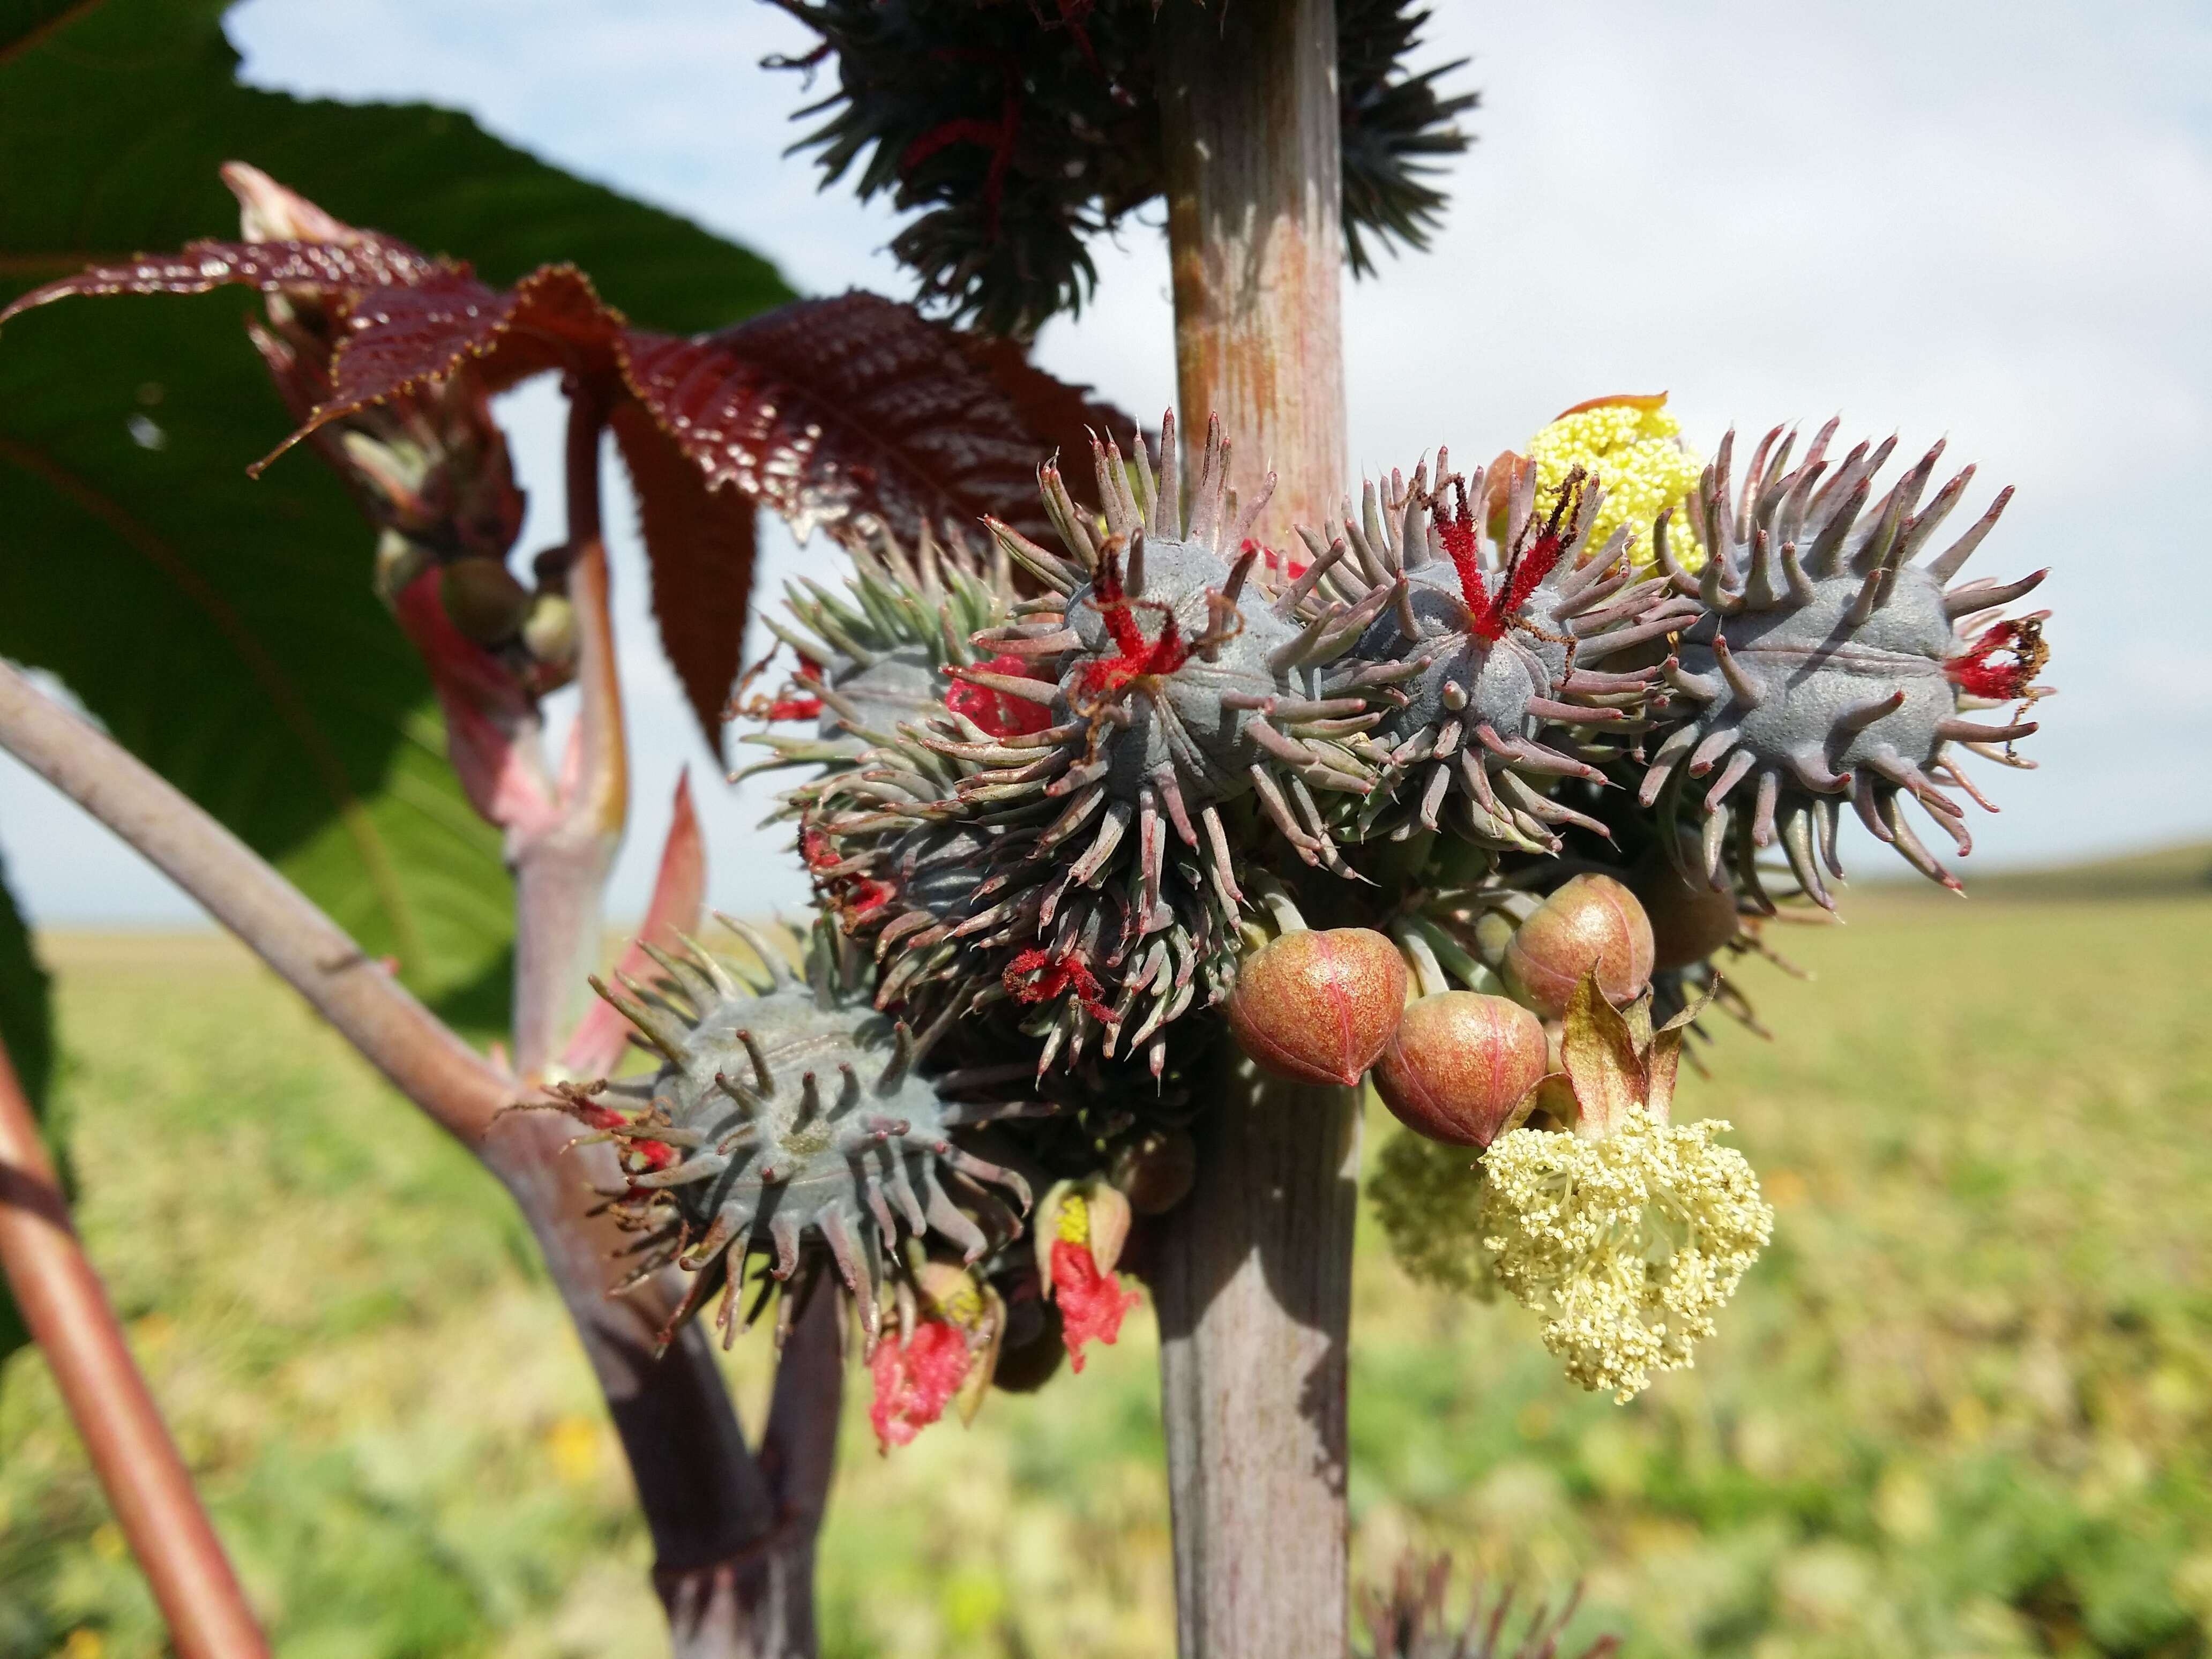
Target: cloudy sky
[(1985, 220)]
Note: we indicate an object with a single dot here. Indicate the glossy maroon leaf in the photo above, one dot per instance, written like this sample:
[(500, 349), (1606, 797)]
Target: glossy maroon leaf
[(846, 415), (1059, 418), (700, 543), (334, 268), (396, 338)]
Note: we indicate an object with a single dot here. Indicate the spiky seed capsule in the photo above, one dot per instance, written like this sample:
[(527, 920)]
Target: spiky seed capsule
[(1830, 666), (808, 1136), (1592, 924), (1690, 918), (484, 600), (1459, 1065), (1318, 1007), (1481, 650)]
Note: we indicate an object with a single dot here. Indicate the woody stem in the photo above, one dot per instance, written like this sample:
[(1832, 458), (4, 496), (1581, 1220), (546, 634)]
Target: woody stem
[(1254, 1285)]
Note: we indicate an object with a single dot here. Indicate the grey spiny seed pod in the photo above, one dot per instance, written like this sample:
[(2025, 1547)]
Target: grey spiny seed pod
[(791, 1126), (1485, 650), (1829, 665)]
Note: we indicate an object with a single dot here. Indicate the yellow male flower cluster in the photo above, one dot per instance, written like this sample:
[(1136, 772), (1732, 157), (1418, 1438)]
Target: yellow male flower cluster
[(1626, 1243), (1631, 445)]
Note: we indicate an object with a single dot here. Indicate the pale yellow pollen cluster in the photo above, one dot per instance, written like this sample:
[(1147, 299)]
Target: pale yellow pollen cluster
[(1625, 1245), (1636, 453), (1073, 1222)]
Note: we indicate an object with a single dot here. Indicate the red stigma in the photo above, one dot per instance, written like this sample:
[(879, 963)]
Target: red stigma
[(2001, 664), (1291, 569), (1135, 657), (795, 708), (915, 1380), (1525, 566), (1091, 1303), (1038, 975), (997, 713)]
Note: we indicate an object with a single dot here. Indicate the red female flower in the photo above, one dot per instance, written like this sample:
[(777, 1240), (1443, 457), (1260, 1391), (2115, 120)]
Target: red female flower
[(915, 1379), (997, 713)]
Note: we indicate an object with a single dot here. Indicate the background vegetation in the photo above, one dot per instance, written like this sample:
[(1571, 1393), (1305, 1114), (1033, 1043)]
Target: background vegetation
[(1964, 1406)]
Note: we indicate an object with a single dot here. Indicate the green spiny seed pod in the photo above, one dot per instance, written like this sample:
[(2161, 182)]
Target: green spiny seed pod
[(1318, 1007), (484, 600), (873, 657), (1459, 1066), (1182, 693), (790, 1125), (1592, 924)]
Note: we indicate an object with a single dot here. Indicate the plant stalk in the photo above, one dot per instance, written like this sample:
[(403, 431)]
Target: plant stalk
[(1253, 1285), (147, 1484), (706, 1498)]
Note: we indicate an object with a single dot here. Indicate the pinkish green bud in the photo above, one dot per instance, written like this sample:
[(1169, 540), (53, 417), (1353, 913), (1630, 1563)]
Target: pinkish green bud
[(1690, 918), (1592, 925), (483, 599), (549, 631), (1317, 1007), (1459, 1065), (1156, 1170)]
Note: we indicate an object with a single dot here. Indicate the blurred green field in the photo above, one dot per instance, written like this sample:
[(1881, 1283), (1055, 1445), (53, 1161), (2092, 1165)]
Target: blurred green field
[(1964, 1405)]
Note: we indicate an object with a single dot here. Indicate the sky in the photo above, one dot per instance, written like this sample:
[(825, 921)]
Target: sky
[(1989, 221)]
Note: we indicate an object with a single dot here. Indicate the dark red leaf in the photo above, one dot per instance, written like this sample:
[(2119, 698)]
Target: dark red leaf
[(1059, 418), (847, 414), (331, 267), (397, 337), (700, 542)]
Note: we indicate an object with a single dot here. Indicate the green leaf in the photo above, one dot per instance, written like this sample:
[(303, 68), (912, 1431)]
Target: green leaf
[(225, 629), (26, 1031)]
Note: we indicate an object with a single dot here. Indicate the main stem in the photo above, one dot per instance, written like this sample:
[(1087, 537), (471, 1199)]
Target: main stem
[(1255, 1288)]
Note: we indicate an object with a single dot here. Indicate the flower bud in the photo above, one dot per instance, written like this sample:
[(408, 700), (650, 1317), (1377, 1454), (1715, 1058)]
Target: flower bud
[(483, 599), (1317, 1007), (1690, 919), (1592, 925), (548, 630), (399, 560), (1156, 1170), (1459, 1065)]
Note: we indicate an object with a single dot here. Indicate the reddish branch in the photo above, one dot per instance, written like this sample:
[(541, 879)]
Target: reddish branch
[(145, 1480)]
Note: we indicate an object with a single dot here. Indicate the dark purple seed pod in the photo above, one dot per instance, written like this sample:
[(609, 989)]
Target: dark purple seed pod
[(1459, 1065), (1156, 1170), (1486, 651), (1317, 1007), (1829, 665)]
